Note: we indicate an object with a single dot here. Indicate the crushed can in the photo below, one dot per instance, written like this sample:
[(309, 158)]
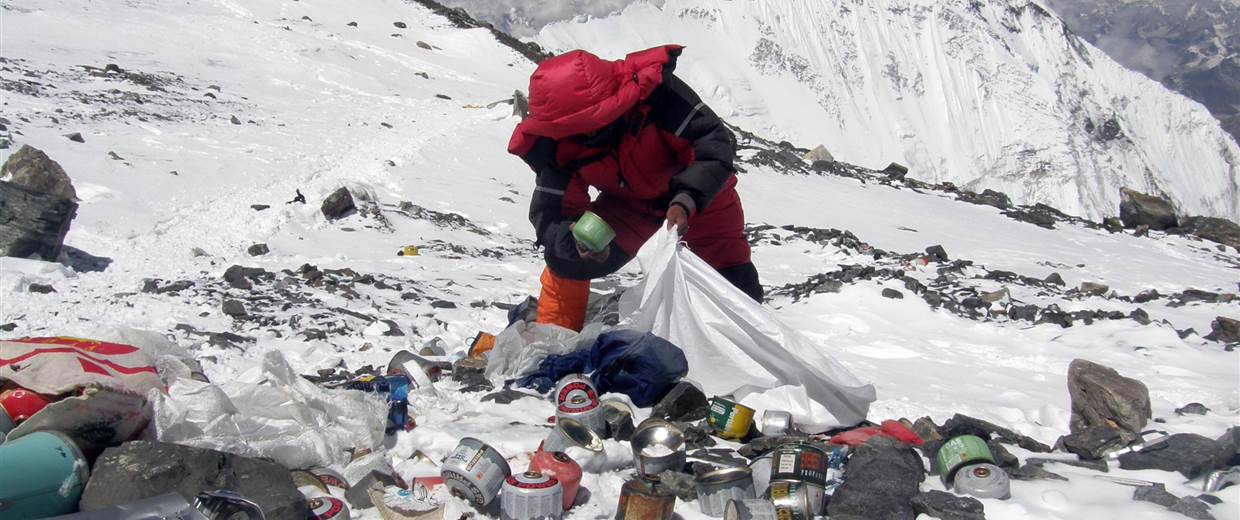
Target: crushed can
[(531, 496), (756, 509), (730, 419), (327, 508), (795, 500), (414, 366), (475, 471), (983, 480), (717, 488), (559, 465), (52, 475), (959, 452), (642, 498)]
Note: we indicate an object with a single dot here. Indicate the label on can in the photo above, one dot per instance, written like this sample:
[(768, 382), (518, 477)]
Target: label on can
[(470, 472), (750, 510), (576, 387), (531, 495), (329, 478), (327, 508), (800, 461), (960, 451), (795, 500), (729, 419)]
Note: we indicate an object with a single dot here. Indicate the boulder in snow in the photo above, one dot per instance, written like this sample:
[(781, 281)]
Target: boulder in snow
[(1102, 397), (1187, 453), (819, 153), (1214, 229), (140, 469), (31, 168), (1095, 442), (883, 477), (947, 506), (896, 171), (1137, 209), (1224, 329), (32, 223), (339, 204)]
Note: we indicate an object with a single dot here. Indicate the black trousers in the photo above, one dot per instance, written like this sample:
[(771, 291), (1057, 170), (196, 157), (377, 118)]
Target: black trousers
[(743, 276)]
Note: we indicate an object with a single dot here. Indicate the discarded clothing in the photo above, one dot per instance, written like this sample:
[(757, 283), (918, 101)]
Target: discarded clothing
[(640, 365)]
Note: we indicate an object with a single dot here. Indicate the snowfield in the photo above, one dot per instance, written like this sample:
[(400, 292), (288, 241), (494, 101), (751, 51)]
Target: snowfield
[(216, 106)]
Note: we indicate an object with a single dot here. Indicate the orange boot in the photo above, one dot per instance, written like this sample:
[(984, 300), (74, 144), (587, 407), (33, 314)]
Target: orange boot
[(562, 301)]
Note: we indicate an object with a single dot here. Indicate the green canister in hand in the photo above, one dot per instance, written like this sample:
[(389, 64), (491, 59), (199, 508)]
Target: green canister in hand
[(592, 232)]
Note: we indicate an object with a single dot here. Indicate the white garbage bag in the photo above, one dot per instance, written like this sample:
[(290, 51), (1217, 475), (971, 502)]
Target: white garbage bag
[(521, 347), (284, 417), (735, 345)]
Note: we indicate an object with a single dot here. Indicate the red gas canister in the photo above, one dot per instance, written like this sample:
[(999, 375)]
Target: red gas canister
[(559, 465), (20, 404)]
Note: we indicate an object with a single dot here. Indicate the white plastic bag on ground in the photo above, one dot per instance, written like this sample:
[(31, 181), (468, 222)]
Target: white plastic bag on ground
[(735, 345), (522, 346), (284, 417)]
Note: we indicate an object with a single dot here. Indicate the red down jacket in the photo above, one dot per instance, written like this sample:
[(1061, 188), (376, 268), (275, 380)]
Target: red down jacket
[(643, 139)]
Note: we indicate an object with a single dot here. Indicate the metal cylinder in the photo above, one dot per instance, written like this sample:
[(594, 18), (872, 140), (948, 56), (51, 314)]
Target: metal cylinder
[(775, 422), (658, 445), (559, 465), (331, 479), (757, 509), (717, 488), (475, 471), (760, 468), (569, 433), (643, 499), (959, 452), (585, 410), (531, 496), (983, 480), (327, 508), (574, 384), (800, 461), (795, 500), (730, 419), (50, 479)]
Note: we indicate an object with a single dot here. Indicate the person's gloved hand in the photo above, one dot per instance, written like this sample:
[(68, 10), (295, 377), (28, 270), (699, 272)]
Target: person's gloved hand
[(587, 254), (678, 217)]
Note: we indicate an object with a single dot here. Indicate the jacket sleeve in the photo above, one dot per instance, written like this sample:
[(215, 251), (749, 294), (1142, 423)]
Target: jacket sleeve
[(682, 113), (546, 204)]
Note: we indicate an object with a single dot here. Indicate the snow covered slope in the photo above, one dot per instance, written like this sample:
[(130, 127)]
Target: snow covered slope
[(321, 104), (992, 94)]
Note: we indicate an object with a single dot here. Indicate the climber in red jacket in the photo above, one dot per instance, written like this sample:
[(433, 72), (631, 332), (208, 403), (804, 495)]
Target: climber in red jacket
[(653, 150)]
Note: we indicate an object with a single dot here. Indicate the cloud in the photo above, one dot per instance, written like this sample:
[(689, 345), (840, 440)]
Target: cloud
[(523, 18)]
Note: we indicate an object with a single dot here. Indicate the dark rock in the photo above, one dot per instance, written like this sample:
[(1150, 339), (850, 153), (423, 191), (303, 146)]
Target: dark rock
[(1213, 229), (1188, 453), (1224, 329), (443, 304), (400, 25), (1034, 472), (684, 402), (1197, 295), (33, 223), (893, 294), (927, 430), (1093, 288), (8, 327), (258, 250), (883, 477), (1184, 334), (1192, 409), (1192, 508), (1113, 224), (680, 484), (937, 253), (1003, 458), (425, 45), (240, 277), (259, 207), (140, 469), (1054, 279), (947, 506), (39, 288), (234, 120), (352, 24), (1156, 494), (1230, 441), (339, 204), (757, 447), (619, 423), (443, 96), (234, 308), (506, 396), (698, 436), (961, 424), (1146, 296), (29, 167), (1141, 231), (1027, 312), (393, 329), (972, 302), (469, 370), (1102, 397), (1140, 316), (1136, 209), (895, 171), (1095, 442), (76, 137)]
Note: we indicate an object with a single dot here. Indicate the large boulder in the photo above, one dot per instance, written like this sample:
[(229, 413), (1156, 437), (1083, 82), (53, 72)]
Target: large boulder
[(1136, 209), (1224, 329), (819, 153), (139, 469), (339, 204), (33, 169), (947, 506), (883, 478), (1102, 397), (33, 224), (1214, 229)]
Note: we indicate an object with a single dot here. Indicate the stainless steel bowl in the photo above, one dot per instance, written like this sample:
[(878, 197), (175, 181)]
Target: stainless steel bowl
[(571, 432), (658, 445)]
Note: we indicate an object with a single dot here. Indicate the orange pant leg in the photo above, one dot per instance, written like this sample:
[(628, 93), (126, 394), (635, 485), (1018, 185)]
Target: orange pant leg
[(562, 301)]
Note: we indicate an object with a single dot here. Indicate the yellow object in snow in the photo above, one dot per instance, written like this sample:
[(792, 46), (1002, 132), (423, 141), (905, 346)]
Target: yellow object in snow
[(408, 251)]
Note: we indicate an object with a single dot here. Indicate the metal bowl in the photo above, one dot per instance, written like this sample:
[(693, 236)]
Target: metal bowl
[(571, 432), (661, 436)]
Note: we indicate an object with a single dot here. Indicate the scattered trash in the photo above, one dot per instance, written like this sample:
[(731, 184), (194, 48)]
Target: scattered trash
[(576, 399), (298, 199), (642, 498), (481, 345), (731, 420), (408, 251), (799, 499), (569, 433), (1219, 479), (717, 488), (327, 508), (959, 452), (888, 428), (658, 446), (53, 474), (983, 481), (531, 496), (559, 465), (592, 232), (475, 471), (754, 510), (775, 422)]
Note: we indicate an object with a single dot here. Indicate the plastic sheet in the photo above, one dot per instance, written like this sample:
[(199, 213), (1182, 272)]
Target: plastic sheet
[(284, 418), (736, 346), (523, 345)]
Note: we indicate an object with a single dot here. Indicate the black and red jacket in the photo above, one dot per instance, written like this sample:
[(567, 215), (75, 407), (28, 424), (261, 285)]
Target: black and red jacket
[(629, 128)]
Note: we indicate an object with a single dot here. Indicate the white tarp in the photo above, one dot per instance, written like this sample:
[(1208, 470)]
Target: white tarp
[(736, 346)]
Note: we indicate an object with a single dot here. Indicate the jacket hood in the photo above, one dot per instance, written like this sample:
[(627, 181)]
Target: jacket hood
[(578, 92)]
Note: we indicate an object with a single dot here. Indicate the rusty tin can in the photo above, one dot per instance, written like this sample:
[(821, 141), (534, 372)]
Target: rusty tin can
[(475, 471), (531, 496), (717, 488), (643, 499)]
